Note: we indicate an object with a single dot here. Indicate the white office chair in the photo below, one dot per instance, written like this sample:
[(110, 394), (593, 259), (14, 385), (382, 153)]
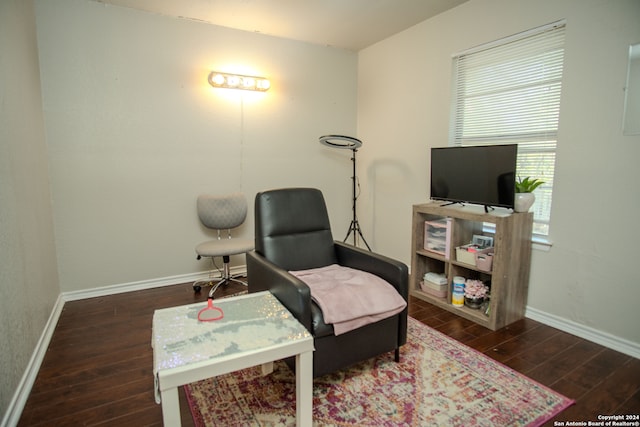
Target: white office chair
[(222, 213)]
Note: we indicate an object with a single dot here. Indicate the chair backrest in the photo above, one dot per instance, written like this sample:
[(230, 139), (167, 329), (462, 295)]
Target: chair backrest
[(292, 228), (222, 212)]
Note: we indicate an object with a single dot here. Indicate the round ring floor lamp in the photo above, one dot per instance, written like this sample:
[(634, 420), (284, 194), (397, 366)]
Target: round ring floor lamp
[(348, 143)]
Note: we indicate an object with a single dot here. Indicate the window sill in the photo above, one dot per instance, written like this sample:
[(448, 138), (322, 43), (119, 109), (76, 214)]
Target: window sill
[(538, 242), (541, 243)]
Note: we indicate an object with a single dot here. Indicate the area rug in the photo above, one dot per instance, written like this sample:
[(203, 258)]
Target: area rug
[(438, 382)]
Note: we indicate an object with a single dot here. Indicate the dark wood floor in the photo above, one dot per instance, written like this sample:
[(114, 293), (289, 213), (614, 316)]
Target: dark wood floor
[(98, 368)]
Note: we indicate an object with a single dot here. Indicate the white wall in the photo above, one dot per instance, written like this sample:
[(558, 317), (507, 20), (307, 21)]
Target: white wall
[(28, 274), (135, 133), (588, 276)]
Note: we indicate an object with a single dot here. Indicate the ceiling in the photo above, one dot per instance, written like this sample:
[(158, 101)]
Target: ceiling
[(347, 24)]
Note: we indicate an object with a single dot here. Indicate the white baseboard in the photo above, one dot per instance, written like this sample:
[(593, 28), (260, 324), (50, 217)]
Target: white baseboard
[(16, 406), (12, 416), (146, 284), (599, 337)]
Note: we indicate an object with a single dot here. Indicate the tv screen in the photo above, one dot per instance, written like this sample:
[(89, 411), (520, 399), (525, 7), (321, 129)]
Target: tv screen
[(483, 175)]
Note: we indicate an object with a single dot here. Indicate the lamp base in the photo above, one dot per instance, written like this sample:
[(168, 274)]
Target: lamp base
[(355, 229)]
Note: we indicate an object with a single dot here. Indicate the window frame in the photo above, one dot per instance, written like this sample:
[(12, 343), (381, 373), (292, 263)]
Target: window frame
[(537, 140)]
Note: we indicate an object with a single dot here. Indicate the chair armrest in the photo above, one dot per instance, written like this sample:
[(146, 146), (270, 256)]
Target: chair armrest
[(295, 295), (393, 271)]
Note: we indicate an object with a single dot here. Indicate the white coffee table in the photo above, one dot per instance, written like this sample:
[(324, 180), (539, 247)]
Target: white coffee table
[(256, 330)]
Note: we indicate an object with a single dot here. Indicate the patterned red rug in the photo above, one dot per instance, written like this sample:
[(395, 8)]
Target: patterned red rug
[(439, 382)]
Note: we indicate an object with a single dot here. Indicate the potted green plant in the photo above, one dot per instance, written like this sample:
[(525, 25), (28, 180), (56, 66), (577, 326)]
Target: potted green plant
[(524, 193)]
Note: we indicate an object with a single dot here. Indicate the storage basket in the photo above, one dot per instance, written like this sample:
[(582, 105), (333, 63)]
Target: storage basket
[(463, 255), (434, 289), (484, 260), (470, 257)]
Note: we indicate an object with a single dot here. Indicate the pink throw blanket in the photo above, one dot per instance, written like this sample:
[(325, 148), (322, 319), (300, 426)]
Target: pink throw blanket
[(351, 298)]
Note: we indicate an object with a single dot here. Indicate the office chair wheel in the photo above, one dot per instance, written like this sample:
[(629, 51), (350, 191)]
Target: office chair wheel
[(196, 288)]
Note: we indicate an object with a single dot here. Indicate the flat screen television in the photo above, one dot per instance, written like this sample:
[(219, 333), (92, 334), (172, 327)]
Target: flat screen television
[(483, 175)]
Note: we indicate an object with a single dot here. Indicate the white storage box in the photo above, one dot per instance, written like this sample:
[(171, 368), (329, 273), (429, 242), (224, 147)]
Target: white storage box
[(464, 255), (468, 254), (436, 278)]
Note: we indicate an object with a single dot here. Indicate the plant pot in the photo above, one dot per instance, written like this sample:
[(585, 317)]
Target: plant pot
[(523, 202), (473, 302)]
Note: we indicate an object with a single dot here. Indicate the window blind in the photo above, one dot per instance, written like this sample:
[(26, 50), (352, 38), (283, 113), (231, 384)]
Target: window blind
[(509, 92)]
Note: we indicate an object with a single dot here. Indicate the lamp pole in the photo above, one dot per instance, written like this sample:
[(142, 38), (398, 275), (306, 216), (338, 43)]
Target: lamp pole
[(342, 141)]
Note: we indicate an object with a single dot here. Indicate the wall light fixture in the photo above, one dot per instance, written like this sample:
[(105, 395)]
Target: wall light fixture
[(237, 81)]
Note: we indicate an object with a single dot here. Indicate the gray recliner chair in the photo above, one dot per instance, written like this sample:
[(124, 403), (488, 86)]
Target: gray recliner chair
[(292, 232), (222, 214)]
